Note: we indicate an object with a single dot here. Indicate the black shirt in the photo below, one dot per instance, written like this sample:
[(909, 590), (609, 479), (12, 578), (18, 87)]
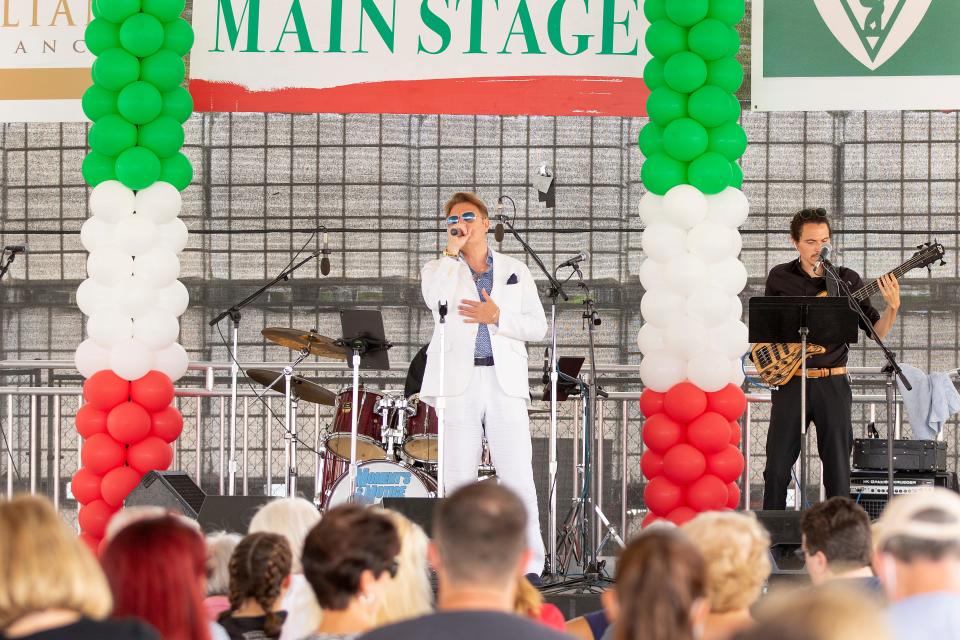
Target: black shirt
[(466, 625), (247, 627), (789, 279), (418, 367), (86, 629)]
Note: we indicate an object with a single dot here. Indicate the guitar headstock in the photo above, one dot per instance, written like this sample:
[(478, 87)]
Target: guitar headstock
[(928, 254)]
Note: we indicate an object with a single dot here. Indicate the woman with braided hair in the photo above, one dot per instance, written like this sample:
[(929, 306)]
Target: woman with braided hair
[(259, 578)]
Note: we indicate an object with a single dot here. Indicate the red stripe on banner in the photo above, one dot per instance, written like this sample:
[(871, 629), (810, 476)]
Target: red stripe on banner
[(531, 95)]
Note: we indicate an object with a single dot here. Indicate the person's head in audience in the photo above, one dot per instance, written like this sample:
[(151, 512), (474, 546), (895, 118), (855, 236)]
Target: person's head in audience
[(290, 517), (259, 576), (736, 549), (349, 558), (409, 594), (661, 589), (157, 572), (479, 547), (220, 546), (836, 540)]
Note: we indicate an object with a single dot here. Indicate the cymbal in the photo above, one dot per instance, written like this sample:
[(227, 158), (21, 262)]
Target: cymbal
[(296, 339), (300, 386)]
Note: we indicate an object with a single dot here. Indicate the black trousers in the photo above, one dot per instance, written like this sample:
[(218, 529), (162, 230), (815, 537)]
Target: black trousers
[(829, 403)]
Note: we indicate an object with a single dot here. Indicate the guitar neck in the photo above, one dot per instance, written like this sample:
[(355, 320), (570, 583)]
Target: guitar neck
[(868, 290)]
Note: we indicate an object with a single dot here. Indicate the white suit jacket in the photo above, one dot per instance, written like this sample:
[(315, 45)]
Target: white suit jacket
[(521, 320)]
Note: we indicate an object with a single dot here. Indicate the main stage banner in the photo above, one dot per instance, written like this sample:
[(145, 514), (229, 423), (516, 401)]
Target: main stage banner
[(537, 57), (855, 54)]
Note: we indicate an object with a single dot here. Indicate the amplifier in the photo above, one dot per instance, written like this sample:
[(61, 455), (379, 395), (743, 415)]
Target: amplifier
[(870, 454), (869, 488)]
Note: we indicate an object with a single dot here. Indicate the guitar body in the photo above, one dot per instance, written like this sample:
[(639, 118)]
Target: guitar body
[(778, 362)]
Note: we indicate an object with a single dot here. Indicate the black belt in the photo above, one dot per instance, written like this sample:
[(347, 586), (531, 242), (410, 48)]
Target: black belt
[(483, 362)]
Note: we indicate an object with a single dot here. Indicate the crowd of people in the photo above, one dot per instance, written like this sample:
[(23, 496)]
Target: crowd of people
[(365, 573)]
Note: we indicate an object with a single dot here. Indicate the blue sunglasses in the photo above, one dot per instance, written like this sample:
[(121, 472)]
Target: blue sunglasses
[(468, 216)]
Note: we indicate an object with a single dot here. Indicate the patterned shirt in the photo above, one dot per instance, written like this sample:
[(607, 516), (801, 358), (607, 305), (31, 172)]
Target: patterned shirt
[(483, 349)]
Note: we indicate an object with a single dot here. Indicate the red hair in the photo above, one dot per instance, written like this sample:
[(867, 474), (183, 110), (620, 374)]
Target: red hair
[(156, 569)]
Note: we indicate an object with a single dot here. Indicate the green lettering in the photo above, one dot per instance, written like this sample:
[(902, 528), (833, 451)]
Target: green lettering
[(386, 31), (476, 24), (225, 9), (609, 22), (436, 24), (303, 35), (555, 29), (526, 30), (336, 26)]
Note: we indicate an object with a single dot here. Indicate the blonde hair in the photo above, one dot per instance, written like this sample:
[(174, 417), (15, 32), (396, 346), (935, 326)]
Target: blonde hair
[(45, 566), (220, 546), (408, 595), (528, 601), (466, 196), (735, 547), (290, 517), (833, 611)]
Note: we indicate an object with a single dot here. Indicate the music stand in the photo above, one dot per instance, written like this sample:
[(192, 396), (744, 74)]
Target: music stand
[(822, 320)]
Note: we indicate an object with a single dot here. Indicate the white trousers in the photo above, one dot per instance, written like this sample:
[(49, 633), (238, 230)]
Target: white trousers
[(507, 425)]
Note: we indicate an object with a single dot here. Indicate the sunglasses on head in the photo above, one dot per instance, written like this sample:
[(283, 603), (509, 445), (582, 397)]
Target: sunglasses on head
[(467, 216)]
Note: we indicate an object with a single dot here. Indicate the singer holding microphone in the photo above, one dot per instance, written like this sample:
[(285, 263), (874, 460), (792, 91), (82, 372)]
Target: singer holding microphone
[(494, 309), (829, 398)]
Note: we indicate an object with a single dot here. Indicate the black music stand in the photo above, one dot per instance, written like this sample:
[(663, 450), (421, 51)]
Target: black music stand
[(822, 320)]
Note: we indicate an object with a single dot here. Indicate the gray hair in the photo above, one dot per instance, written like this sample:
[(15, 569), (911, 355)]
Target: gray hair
[(220, 546)]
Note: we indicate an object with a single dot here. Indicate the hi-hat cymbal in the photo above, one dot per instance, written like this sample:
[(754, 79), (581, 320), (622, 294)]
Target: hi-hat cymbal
[(297, 339), (301, 387)]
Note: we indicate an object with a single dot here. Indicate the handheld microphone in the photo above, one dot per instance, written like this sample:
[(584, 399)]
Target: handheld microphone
[(325, 261), (498, 230), (580, 257), (16, 248), (455, 232)]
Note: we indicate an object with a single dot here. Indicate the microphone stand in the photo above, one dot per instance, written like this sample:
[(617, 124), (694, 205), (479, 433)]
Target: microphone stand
[(234, 314), (5, 265)]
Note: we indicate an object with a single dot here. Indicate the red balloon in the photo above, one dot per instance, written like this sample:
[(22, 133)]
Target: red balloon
[(128, 423), (707, 493), (167, 424), (85, 486), (733, 496), (101, 453), (105, 390), (649, 519), (153, 391), (735, 434), (150, 454), (660, 433), (730, 402), (651, 464), (662, 496), (684, 402), (93, 517), (90, 421), (727, 464), (681, 515), (683, 464), (91, 543), (118, 484), (709, 433), (651, 402)]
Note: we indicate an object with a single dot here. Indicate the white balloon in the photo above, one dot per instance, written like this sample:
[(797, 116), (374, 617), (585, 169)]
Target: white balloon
[(728, 275), (172, 361), (711, 242), (684, 206), (160, 202), (730, 207), (660, 371), (737, 376), (135, 234), (650, 339), (711, 305), (93, 297), (172, 298), (90, 358), (109, 265), (111, 201), (157, 267), (737, 243), (96, 234), (660, 306), (736, 308), (663, 241), (135, 296), (730, 338), (651, 209), (156, 329), (173, 235), (685, 273), (686, 336), (131, 359), (653, 274), (709, 370), (108, 328)]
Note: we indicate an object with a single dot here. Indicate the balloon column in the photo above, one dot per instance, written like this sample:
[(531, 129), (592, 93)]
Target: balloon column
[(692, 338), (132, 296)]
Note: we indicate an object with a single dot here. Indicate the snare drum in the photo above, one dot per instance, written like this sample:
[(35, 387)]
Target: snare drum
[(421, 441), (379, 479), (369, 426)]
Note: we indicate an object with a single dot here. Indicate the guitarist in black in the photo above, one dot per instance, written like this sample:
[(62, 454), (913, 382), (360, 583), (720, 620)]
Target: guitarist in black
[(829, 397)]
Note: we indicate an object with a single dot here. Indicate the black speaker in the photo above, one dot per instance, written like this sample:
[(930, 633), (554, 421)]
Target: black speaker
[(417, 510), (785, 541), (574, 604)]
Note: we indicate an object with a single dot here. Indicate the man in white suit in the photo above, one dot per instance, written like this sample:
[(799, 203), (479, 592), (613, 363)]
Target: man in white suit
[(494, 308)]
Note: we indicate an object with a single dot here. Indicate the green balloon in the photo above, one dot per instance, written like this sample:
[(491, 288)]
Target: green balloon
[(114, 69), (666, 105), (176, 170), (98, 102), (685, 139), (116, 10), (711, 106), (729, 140), (100, 35), (111, 135), (178, 104), (654, 10), (711, 40), (138, 168), (737, 180), (164, 70), (726, 73), (687, 13), (685, 72), (710, 173), (660, 173), (729, 12), (163, 136), (650, 139), (164, 10), (97, 168), (178, 36), (653, 73), (664, 38), (141, 34), (139, 102)]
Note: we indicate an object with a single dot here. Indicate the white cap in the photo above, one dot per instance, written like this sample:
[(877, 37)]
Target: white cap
[(899, 519)]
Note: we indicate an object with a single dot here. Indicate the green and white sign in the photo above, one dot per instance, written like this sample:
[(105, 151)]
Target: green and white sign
[(855, 54)]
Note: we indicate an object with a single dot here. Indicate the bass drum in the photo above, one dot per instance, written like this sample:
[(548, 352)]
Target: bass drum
[(379, 479)]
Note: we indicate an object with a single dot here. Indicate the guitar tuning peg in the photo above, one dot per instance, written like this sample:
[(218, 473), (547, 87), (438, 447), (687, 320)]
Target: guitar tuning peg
[(919, 246)]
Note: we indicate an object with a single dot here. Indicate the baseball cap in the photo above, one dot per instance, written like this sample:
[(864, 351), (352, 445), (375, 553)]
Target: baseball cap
[(900, 518)]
